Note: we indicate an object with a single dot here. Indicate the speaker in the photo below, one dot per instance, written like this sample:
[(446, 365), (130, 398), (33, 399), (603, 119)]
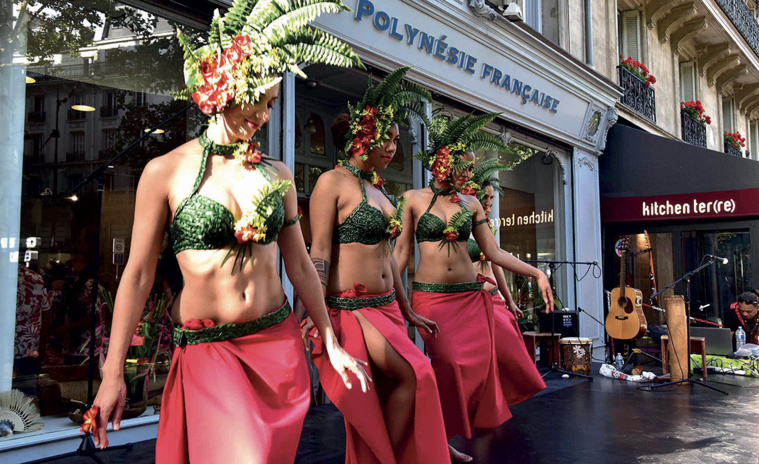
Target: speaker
[(565, 323)]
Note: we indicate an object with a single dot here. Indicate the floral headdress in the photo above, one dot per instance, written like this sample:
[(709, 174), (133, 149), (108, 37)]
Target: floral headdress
[(393, 101), (449, 139), (252, 45), (484, 173)]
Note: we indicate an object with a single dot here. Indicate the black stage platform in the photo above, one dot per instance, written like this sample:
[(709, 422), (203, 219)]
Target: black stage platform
[(577, 421)]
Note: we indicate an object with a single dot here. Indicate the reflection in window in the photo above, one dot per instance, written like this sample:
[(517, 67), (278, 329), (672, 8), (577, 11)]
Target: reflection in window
[(399, 160), (300, 180), (313, 175), (315, 128)]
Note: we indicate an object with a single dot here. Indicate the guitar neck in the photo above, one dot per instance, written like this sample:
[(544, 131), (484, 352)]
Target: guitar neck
[(623, 272)]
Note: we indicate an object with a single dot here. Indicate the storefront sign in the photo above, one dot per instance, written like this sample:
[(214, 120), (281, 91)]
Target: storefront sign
[(531, 219), (486, 67), (726, 204), (526, 91)]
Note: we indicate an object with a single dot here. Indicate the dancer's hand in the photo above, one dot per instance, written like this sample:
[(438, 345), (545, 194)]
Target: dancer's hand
[(110, 401), (545, 288), (515, 309), (342, 362), (305, 328), (422, 323)]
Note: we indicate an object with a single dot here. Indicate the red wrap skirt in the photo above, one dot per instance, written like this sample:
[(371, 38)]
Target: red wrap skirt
[(519, 376), (367, 439), (236, 393), (463, 355)]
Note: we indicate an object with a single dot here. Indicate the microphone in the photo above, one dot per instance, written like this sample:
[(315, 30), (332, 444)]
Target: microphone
[(718, 258)]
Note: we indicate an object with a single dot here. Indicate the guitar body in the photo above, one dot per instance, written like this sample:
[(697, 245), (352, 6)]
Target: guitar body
[(626, 319)]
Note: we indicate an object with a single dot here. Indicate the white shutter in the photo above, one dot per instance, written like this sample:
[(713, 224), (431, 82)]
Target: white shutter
[(727, 114), (687, 82), (630, 27)]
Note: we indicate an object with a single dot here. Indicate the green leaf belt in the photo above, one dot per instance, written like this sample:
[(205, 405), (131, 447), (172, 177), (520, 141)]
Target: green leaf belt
[(222, 332), (494, 291), (353, 304), (457, 287)]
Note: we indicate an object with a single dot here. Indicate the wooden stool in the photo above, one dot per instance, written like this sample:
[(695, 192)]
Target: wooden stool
[(697, 346), (532, 339)]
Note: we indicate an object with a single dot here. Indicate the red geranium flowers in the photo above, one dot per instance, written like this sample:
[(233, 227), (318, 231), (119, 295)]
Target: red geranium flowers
[(695, 110), (734, 139), (637, 68)]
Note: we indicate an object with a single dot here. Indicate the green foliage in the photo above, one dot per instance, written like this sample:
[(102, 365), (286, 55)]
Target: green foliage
[(486, 171), (462, 135), (315, 46), (66, 26)]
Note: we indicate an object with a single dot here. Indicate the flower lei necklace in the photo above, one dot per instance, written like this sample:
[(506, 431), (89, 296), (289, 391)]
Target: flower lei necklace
[(244, 151), (372, 176)]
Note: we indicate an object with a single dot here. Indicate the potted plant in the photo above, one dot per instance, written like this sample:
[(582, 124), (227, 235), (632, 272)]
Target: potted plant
[(638, 69), (733, 142), (149, 351), (695, 110)]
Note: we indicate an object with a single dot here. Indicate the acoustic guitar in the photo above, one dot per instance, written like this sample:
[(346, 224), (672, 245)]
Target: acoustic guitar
[(626, 319)]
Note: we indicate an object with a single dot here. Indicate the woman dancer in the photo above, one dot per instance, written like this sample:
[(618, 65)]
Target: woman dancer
[(353, 222), (519, 377), (238, 386), (446, 288)]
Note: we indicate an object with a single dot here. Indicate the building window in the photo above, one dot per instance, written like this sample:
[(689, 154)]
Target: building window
[(108, 110), (629, 34), (687, 82), (76, 146), (140, 99), (728, 115), (754, 139)]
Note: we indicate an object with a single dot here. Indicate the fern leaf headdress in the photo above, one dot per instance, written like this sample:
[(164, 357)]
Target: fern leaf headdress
[(485, 172), (253, 44), (449, 139), (393, 101)]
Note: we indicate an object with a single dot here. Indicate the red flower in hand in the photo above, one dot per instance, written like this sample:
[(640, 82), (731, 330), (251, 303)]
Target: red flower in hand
[(90, 420)]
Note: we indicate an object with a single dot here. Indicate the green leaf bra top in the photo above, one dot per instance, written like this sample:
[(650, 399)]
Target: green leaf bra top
[(430, 227), (365, 224), (201, 223), (474, 250)]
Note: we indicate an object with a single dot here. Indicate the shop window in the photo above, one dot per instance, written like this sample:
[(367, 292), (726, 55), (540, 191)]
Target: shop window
[(55, 288), (629, 34), (687, 82), (719, 285), (315, 129), (728, 118), (754, 138), (530, 217)]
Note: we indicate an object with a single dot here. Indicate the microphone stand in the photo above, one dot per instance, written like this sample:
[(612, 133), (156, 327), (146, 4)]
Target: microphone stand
[(554, 366), (87, 446), (687, 279)]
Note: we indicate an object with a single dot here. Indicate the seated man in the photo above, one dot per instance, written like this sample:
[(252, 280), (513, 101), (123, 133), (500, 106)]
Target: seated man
[(745, 313)]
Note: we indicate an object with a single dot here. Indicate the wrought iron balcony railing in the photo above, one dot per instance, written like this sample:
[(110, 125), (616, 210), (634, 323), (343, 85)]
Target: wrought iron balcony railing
[(638, 96), (108, 112), (731, 150), (75, 115), (743, 20), (36, 117), (693, 131), (75, 156)]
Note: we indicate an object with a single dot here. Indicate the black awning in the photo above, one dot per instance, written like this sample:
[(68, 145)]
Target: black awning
[(636, 163)]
